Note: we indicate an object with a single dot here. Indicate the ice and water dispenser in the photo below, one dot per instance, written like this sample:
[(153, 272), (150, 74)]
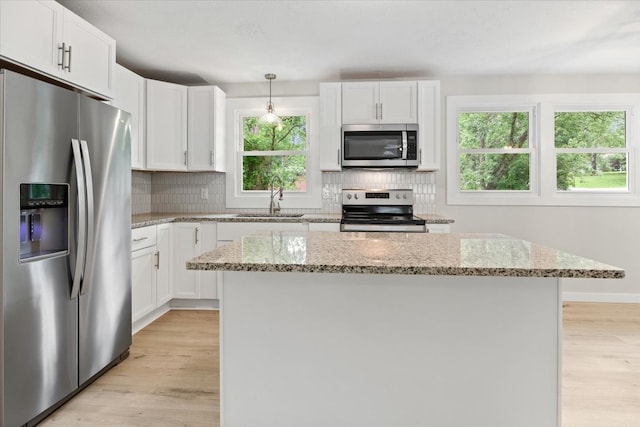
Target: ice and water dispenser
[(44, 219)]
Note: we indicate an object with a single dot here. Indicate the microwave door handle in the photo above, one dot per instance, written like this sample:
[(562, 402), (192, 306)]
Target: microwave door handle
[(82, 220), (405, 146)]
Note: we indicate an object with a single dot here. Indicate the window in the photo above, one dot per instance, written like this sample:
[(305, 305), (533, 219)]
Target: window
[(543, 150), (494, 151), (591, 151), (269, 153), (263, 153)]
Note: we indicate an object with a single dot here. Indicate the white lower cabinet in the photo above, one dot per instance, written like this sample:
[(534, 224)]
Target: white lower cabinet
[(164, 291), (186, 245), (143, 282), (190, 240), (149, 278)]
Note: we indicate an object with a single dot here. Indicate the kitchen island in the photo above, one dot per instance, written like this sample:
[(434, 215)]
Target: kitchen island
[(375, 329)]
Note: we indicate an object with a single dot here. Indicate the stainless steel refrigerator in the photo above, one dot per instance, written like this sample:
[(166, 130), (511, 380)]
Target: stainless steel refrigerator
[(66, 223)]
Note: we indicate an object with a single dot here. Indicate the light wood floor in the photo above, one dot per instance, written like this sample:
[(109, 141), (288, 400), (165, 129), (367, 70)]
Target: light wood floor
[(171, 377)]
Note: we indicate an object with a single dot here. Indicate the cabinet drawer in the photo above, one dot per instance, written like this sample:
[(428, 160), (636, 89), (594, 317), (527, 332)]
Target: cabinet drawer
[(143, 237)]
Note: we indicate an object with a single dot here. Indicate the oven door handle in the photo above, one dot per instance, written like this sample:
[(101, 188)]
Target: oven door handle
[(404, 145)]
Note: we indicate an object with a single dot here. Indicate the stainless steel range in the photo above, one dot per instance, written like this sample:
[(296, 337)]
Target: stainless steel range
[(380, 210)]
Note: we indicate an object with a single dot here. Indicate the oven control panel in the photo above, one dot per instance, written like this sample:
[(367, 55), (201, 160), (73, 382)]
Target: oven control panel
[(377, 197)]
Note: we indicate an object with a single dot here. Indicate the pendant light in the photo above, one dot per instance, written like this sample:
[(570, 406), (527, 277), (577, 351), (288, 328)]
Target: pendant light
[(271, 118)]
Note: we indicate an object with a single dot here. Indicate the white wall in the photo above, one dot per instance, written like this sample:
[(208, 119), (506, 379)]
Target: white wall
[(610, 235)]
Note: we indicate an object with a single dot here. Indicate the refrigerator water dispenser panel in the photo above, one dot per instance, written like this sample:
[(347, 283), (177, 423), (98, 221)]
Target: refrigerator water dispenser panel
[(44, 219)]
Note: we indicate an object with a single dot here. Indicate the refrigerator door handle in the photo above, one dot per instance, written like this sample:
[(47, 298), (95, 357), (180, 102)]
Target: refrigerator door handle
[(82, 220), (88, 179)]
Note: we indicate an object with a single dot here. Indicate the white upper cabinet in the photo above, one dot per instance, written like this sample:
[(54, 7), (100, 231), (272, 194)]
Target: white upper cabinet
[(330, 126), (379, 102), (29, 34), (45, 37), (429, 125), (90, 56), (166, 126), (128, 95), (206, 116)]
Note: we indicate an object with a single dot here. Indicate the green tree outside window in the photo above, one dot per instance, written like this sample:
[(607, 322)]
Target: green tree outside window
[(268, 151)]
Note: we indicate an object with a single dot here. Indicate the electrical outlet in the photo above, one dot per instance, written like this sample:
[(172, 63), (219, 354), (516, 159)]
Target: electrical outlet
[(204, 193), (326, 193)]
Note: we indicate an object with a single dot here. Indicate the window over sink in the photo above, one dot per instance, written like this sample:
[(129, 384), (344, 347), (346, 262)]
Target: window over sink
[(263, 152)]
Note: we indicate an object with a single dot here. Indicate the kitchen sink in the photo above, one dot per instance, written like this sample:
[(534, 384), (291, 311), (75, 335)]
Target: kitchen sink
[(269, 215)]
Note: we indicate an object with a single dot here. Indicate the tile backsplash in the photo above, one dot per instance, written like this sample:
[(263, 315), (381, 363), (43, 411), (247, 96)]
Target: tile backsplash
[(182, 192)]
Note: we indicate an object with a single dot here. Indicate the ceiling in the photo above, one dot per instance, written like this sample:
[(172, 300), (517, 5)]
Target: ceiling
[(217, 42)]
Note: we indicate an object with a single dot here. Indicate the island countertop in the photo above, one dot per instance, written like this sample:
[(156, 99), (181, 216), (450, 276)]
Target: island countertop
[(399, 253)]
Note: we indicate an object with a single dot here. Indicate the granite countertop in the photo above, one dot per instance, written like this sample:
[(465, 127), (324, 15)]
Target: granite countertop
[(399, 253), (144, 220)]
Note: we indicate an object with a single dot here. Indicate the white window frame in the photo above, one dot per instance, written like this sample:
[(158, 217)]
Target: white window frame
[(543, 161), (237, 109)]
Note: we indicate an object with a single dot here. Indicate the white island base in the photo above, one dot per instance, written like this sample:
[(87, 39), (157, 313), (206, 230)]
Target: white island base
[(366, 350)]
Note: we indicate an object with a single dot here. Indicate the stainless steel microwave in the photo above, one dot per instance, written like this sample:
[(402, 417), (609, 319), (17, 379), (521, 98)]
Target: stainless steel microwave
[(380, 146)]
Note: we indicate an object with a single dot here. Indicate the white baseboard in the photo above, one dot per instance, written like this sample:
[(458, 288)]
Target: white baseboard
[(149, 318), (174, 304), (600, 297), (194, 304)]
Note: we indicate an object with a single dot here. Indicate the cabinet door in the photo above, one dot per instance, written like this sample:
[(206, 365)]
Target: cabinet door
[(163, 264), (398, 102), (128, 95), (166, 126), (143, 282), (208, 279), (360, 102), (92, 56), (29, 34), (429, 125), (186, 245), (205, 114), (330, 126)]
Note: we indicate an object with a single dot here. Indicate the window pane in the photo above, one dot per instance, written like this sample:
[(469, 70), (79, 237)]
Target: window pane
[(261, 137), (591, 172), (494, 172), (258, 171), (493, 130), (590, 129)]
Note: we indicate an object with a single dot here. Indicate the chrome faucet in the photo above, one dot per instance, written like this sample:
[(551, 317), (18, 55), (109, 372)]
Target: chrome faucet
[(274, 206)]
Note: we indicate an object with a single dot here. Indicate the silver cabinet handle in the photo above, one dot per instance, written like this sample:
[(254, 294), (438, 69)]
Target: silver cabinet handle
[(197, 240), (65, 52), (68, 60), (157, 266), (377, 111), (88, 177), (338, 157), (211, 158), (185, 157), (139, 239), (420, 156), (381, 111), (81, 250)]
